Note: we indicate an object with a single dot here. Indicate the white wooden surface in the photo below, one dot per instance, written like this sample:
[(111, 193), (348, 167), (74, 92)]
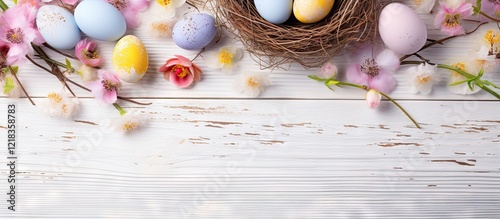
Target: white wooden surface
[(299, 151)]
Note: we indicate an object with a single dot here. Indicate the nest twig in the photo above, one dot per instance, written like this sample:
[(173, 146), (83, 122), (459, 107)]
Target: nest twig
[(310, 45)]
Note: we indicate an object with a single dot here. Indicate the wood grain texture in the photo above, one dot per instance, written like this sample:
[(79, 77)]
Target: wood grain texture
[(300, 151), (254, 159)]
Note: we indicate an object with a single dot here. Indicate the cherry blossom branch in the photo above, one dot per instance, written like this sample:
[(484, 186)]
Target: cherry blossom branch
[(60, 52), (21, 85), (81, 86), (441, 41), (331, 81)]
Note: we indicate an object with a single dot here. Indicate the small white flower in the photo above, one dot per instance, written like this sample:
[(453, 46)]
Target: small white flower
[(226, 58), (423, 6), (87, 73), (157, 23), (14, 90), (422, 78), (252, 84), (456, 77), (129, 121), (60, 105), (482, 60), (169, 6)]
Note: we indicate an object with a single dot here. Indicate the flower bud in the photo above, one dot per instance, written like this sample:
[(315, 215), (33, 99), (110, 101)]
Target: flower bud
[(373, 98)]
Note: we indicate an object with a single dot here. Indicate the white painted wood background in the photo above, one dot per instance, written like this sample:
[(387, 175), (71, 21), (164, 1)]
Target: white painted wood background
[(299, 151)]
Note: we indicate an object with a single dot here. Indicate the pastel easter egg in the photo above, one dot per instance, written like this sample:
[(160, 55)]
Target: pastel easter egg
[(276, 11), (194, 31), (402, 29), (100, 20), (312, 11), (130, 59), (58, 27)]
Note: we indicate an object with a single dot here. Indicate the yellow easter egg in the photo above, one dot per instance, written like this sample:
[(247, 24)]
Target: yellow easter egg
[(130, 59), (311, 11)]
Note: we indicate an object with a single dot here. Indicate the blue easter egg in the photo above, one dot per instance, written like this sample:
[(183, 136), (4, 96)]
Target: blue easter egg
[(275, 11), (58, 27), (194, 31), (100, 20)]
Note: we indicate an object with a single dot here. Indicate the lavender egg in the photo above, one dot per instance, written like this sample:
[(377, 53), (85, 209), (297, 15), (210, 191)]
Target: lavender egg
[(401, 29), (194, 31)]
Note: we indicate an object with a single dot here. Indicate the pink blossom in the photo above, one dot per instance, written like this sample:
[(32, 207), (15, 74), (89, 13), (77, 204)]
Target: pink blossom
[(34, 3), (87, 53), (130, 9), (17, 29), (105, 89), (490, 8), (66, 2), (181, 71), (373, 98), (373, 71), (449, 17), (328, 70)]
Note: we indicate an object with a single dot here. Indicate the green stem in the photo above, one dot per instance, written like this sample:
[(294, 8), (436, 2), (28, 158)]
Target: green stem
[(60, 64), (479, 83), (120, 109), (401, 108), (3, 5), (384, 95)]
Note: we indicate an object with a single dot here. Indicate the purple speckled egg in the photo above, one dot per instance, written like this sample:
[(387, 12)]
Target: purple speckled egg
[(194, 31)]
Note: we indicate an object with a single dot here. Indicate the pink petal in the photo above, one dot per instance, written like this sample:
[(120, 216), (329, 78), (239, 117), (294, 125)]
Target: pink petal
[(110, 96), (355, 75), (388, 60), (184, 61), (130, 16), (182, 82), (453, 31), (465, 10), (438, 22), (384, 82)]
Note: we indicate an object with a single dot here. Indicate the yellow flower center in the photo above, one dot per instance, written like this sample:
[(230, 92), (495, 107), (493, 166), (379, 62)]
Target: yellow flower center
[(452, 20), (55, 97), (251, 82), (481, 62), (459, 65), (160, 27), (225, 57), (417, 2), (180, 71), (492, 37), (129, 126), (422, 79), (65, 108), (164, 2)]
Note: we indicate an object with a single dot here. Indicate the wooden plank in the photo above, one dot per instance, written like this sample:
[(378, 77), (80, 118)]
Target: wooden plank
[(266, 158)]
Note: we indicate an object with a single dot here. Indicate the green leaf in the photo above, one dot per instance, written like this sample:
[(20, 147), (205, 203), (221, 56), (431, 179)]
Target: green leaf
[(69, 67), (8, 86), (477, 8), (15, 69), (316, 78), (458, 83), (489, 83)]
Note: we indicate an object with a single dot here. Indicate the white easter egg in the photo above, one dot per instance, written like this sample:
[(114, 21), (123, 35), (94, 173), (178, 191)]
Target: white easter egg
[(402, 29), (276, 11), (58, 27)]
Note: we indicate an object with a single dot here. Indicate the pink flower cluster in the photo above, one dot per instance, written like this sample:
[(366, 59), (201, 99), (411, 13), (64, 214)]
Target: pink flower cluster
[(17, 32)]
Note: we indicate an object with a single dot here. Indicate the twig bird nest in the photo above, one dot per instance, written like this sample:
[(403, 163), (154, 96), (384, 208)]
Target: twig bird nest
[(310, 45)]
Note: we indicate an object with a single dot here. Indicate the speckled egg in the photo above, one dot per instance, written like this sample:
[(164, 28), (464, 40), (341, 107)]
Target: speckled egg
[(401, 29), (130, 59), (58, 27), (194, 31), (276, 11), (100, 20), (311, 11)]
